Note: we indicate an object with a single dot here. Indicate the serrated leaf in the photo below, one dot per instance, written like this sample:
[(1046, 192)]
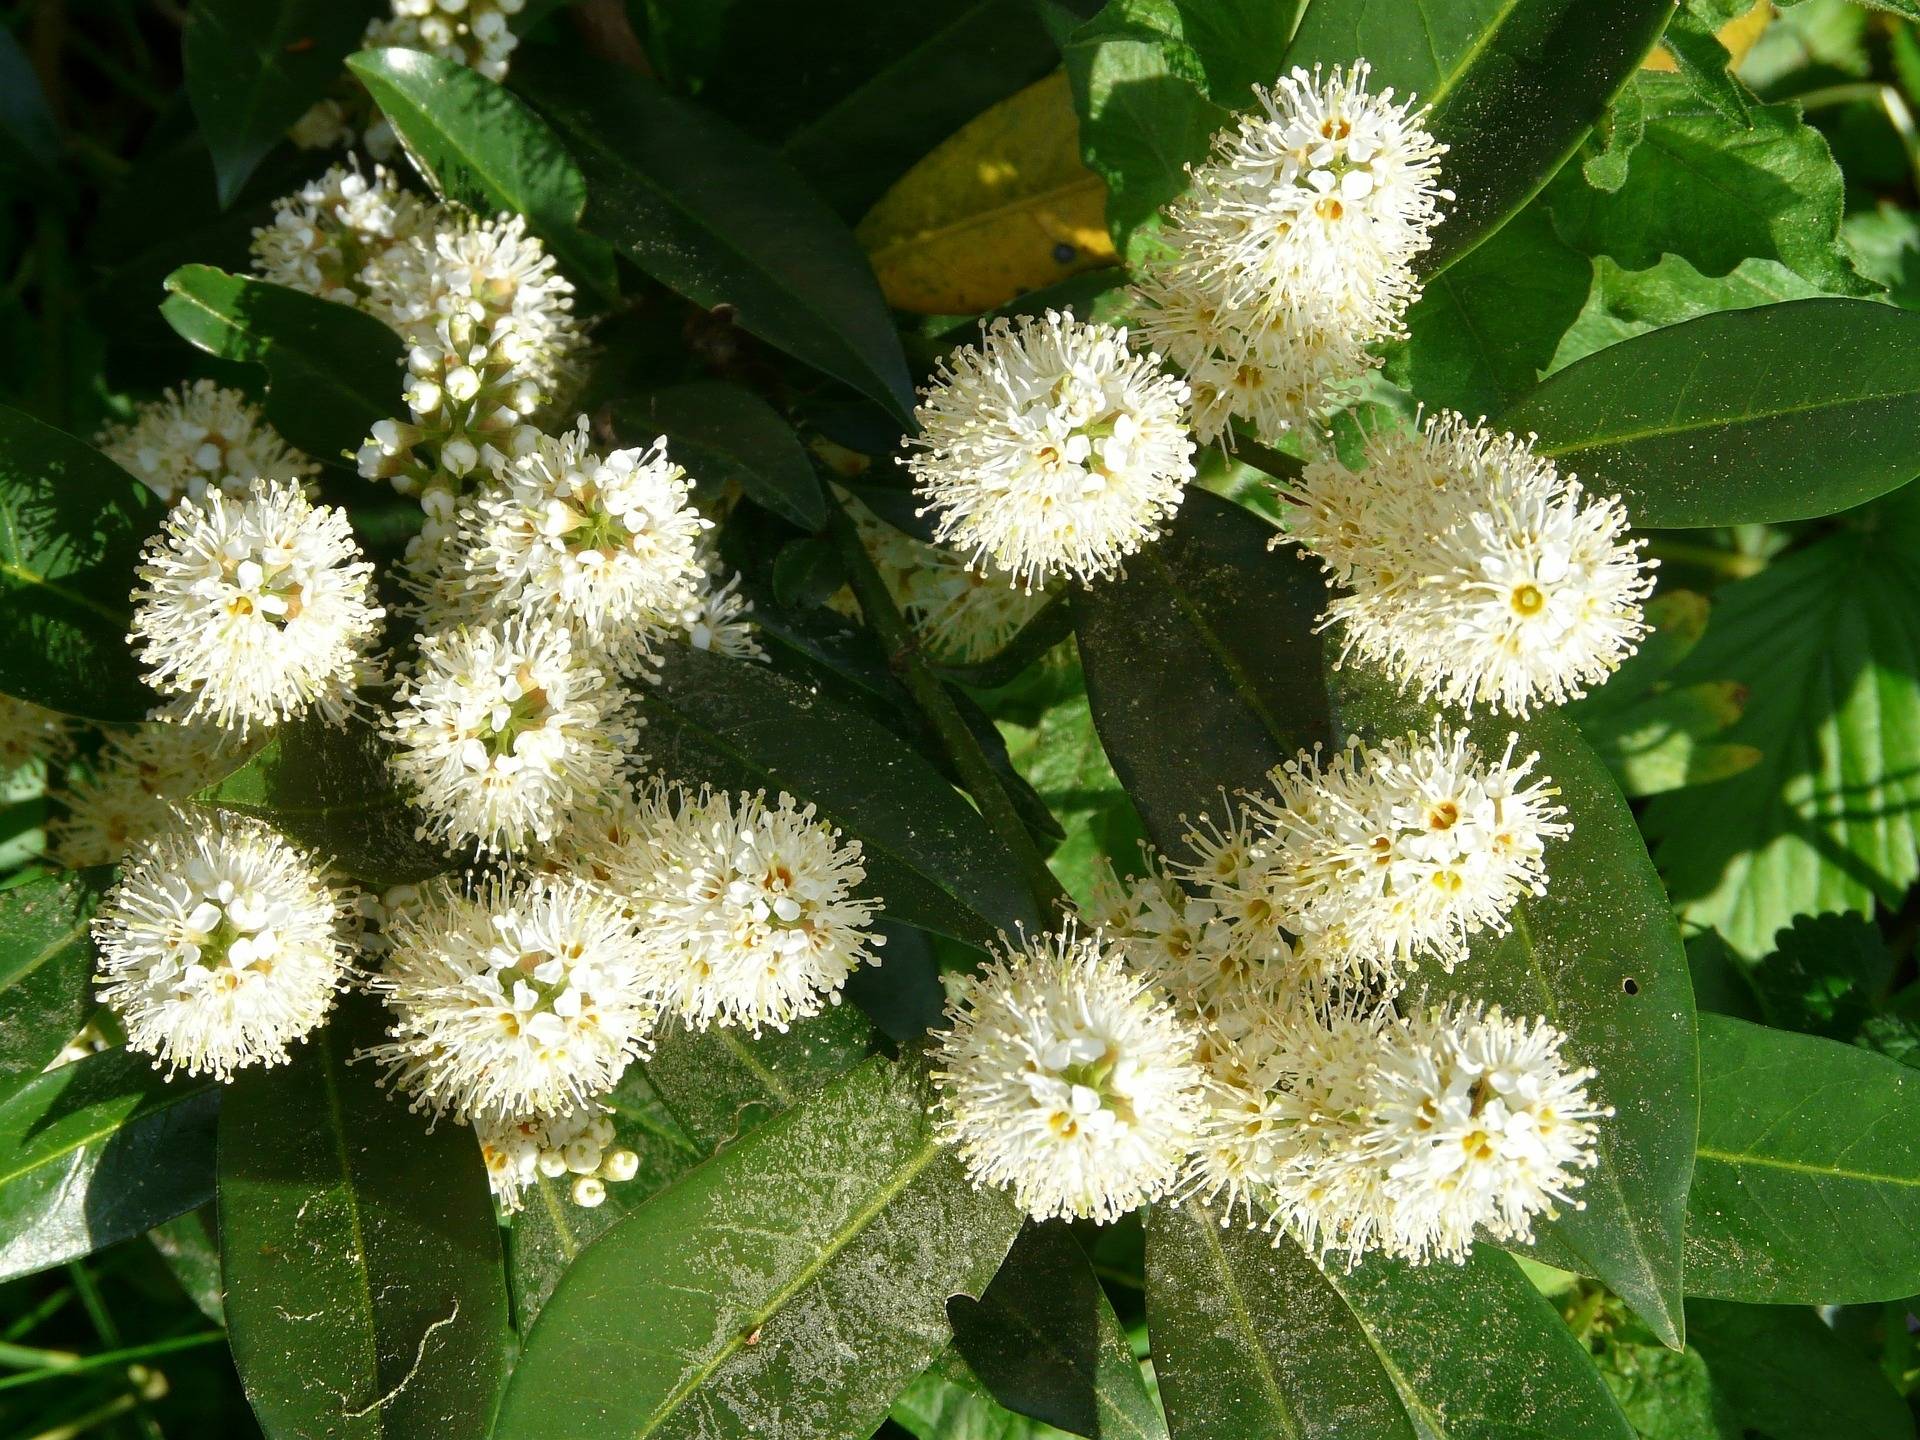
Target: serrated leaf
[(365, 1291), (1702, 61), (1003, 207), (1807, 1188), (1514, 85), (1782, 1370), (713, 215), (929, 855), (1044, 1341), (724, 434), (96, 1152), (1825, 975), (71, 527), (1822, 639), (46, 967), (1780, 412), (1250, 1338), (332, 371), (254, 66), (1703, 187), (478, 145), (328, 787), (792, 1285)]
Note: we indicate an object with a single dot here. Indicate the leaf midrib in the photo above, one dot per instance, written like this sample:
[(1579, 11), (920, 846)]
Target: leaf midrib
[(1737, 1159), (1243, 1314)]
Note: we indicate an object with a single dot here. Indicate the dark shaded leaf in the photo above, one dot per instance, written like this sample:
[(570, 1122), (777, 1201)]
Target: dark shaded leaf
[(1825, 975), (1782, 1371), (726, 435), (46, 967)]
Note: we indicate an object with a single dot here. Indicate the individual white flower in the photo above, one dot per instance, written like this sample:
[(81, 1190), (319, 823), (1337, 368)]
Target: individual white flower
[(475, 33), (505, 732), (522, 1001), (252, 611), (747, 907), (1477, 573), (1066, 1079), (575, 1143), (1388, 855), (134, 786), (220, 945), (1479, 1125), (201, 436), (323, 125), (1052, 448), (325, 233), (717, 617), (1290, 256), (607, 544)]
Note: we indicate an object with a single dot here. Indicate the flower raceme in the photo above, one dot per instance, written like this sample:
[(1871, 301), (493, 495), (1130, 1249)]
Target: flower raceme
[(199, 437)]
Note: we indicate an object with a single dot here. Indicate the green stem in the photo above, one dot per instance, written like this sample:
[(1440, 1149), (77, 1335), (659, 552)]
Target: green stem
[(1728, 563), (1264, 458), (976, 771), (108, 1360)]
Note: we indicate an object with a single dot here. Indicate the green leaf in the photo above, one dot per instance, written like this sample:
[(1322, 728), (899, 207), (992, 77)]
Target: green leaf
[(794, 1283), (189, 1248), (97, 1151), (1666, 1394), (1485, 328), (1670, 738), (1514, 85), (1250, 1338), (1206, 634), (1823, 640), (478, 145), (46, 967), (725, 435), (26, 122), (1780, 412), (714, 216), (365, 1292), (71, 527), (1045, 1342), (1825, 976), (1705, 188), (1599, 956), (1615, 135), (1783, 1371), (254, 66), (929, 855), (941, 1406), (1809, 1170), (328, 787), (332, 371), (1702, 62)]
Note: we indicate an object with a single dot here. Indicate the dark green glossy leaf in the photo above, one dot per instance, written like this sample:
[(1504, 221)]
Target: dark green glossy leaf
[(365, 1292), (929, 855), (1807, 1188), (479, 145), (328, 787), (792, 1285), (1600, 957), (725, 435), (71, 527), (713, 215), (946, 1403), (332, 371), (1208, 634), (96, 1152), (1045, 1342), (1780, 412), (1250, 1338), (46, 967), (1514, 86), (1782, 1371), (188, 1246), (254, 66)]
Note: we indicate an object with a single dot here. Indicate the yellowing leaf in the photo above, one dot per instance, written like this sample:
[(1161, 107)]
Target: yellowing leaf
[(1001, 207), (1737, 37)]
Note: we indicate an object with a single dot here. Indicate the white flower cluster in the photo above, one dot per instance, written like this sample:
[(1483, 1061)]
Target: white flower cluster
[(134, 786), (1475, 572), (200, 437), (475, 33), (578, 1143), (1290, 257)]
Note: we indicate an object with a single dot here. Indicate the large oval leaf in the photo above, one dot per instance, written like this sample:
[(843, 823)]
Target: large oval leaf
[(725, 434), (929, 855), (1203, 668), (253, 66), (332, 371), (328, 787), (789, 1287), (1249, 1338), (71, 527), (365, 1292), (46, 967), (1778, 412), (479, 145), (96, 1152), (711, 214), (1514, 86), (1807, 1189)]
